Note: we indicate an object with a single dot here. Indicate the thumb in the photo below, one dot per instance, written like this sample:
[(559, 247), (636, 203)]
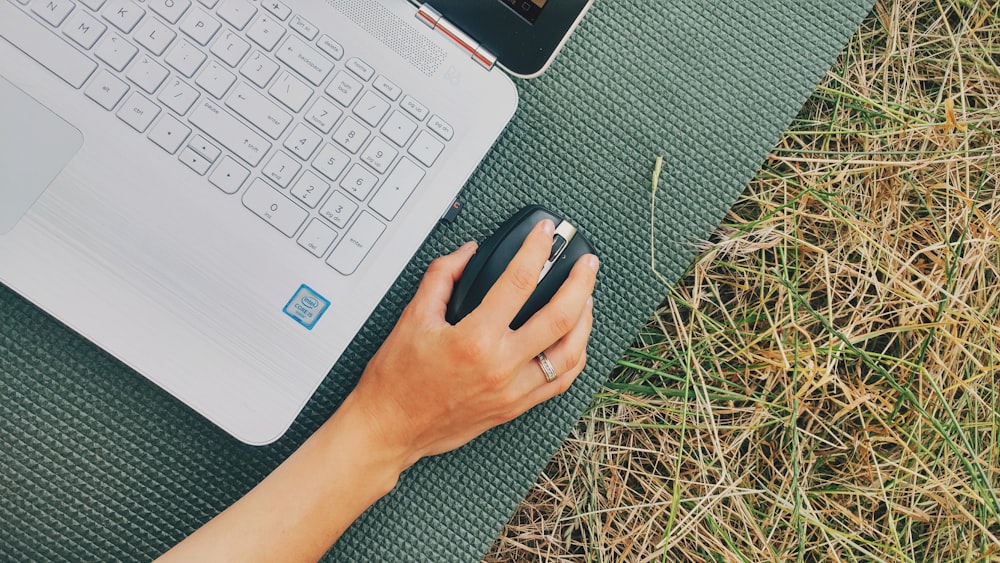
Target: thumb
[(435, 289)]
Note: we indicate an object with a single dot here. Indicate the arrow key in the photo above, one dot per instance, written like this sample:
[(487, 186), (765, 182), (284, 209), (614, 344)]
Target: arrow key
[(229, 175), (169, 133)]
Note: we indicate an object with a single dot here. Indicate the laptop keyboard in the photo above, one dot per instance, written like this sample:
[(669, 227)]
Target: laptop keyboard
[(256, 100)]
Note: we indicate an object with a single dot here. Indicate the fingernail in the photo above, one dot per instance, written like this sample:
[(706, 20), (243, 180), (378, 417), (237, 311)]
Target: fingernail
[(590, 302), (471, 245), (594, 262), (548, 226)]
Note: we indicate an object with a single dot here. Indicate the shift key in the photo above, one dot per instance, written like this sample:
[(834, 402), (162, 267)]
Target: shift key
[(230, 132)]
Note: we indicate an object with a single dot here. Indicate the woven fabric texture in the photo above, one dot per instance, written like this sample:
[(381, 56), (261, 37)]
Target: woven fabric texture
[(98, 464)]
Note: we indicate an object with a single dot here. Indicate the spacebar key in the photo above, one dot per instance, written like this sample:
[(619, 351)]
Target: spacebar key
[(48, 49), (229, 131)]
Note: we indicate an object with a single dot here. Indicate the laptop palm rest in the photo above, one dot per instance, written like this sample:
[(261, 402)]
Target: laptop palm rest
[(35, 145)]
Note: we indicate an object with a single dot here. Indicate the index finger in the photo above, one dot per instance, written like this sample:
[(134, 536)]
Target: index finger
[(505, 299)]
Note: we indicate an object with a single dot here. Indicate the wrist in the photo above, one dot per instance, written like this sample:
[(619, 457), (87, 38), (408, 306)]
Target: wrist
[(355, 427)]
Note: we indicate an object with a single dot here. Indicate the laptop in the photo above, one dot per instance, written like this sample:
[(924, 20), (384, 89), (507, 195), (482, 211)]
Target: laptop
[(220, 192)]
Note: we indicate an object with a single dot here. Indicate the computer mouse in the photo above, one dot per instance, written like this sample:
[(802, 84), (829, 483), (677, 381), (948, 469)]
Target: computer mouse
[(493, 255)]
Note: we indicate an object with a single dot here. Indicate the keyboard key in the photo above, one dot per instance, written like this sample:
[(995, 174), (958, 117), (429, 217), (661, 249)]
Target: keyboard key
[(237, 12), (52, 11), (170, 10), (92, 4), (351, 135), (356, 244), (303, 141), (210, 4), (344, 88), (230, 132), (397, 189), (229, 176), (259, 69), (106, 89), (138, 112), (273, 207), (154, 36), (178, 96), (277, 9), (388, 88), (371, 108), (398, 128), (291, 92), (147, 73), (116, 51), (379, 155), (281, 168), (426, 148), (48, 49), (215, 79), (305, 60), (441, 127), (414, 108), (317, 238), (122, 14), (360, 68), (200, 26), (331, 47), (266, 32), (169, 133), (359, 182), (331, 162), (259, 110), (339, 209), (83, 29), (194, 161), (323, 115), (201, 146), (310, 188), (186, 58), (231, 48), (304, 28)]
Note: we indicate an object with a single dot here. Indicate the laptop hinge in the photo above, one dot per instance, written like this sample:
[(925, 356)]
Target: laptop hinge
[(433, 19)]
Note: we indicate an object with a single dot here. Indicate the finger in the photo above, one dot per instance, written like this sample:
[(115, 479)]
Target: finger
[(439, 280), (568, 357), (509, 293), (562, 312)]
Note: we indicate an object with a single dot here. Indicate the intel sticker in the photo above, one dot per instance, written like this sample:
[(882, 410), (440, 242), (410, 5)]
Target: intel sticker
[(306, 306)]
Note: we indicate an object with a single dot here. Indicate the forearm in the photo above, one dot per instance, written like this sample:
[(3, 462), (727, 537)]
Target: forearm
[(300, 510)]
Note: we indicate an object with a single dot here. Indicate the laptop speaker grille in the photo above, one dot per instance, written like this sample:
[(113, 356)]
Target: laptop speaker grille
[(396, 33)]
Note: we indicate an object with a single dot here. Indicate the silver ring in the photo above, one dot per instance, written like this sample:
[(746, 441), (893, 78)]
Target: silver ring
[(546, 365)]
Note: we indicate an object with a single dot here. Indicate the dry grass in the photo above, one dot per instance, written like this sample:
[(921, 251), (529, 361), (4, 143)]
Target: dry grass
[(822, 385)]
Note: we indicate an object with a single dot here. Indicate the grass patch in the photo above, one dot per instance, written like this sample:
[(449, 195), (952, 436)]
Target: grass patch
[(822, 384)]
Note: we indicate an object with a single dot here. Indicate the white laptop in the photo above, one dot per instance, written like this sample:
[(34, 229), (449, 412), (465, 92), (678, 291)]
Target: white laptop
[(219, 192)]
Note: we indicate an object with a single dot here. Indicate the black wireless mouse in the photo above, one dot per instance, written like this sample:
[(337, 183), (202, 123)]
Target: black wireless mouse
[(484, 269)]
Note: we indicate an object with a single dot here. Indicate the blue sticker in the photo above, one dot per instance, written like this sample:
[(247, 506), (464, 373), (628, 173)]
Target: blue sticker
[(306, 306)]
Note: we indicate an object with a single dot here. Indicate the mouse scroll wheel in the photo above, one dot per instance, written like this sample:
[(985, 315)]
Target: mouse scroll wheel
[(558, 245)]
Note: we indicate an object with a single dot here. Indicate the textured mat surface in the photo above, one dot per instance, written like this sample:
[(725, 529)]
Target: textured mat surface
[(97, 464)]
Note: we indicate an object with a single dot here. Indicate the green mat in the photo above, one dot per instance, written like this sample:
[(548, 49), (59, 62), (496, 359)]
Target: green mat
[(97, 464)]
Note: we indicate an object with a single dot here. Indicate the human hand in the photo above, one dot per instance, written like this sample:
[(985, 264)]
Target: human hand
[(432, 386)]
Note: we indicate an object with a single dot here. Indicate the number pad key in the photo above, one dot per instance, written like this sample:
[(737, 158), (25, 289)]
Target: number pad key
[(351, 135), (303, 141), (371, 108), (310, 189), (339, 209), (281, 168), (399, 128), (359, 182), (317, 238), (323, 115), (274, 208), (379, 155)]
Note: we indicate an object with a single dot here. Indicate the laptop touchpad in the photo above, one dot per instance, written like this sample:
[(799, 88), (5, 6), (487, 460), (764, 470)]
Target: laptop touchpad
[(35, 145)]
